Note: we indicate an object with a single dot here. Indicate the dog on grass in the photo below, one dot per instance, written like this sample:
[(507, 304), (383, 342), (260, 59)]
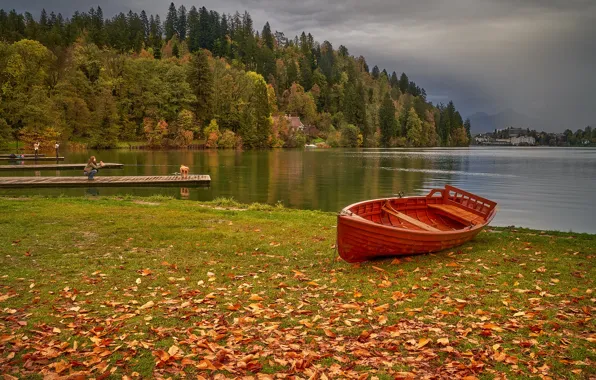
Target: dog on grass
[(183, 172)]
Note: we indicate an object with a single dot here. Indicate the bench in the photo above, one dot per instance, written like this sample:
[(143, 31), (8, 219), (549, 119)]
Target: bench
[(388, 209), (456, 213)]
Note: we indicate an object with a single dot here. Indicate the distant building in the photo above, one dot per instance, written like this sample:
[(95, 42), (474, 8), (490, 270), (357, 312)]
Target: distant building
[(482, 139), (515, 132), (294, 122), (523, 140)]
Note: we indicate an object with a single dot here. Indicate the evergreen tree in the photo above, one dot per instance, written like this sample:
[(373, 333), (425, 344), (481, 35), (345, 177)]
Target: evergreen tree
[(200, 79), (394, 82), (176, 51), (305, 74), (193, 29), (267, 36), (171, 22), (468, 128), (292, 72), (260, 103), (404, 83), (204, 29), (343, 51), (327, 60), (181, 25), (376, 72), (146, 29), (387, 122)]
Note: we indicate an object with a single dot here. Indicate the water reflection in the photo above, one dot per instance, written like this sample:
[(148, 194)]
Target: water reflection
[(536, 187)]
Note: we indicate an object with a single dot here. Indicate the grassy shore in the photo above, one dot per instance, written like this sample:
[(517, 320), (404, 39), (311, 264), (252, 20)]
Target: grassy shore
[(156, 287)]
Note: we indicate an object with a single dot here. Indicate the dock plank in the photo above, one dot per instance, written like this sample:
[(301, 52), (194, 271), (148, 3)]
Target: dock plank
[(32, 159), (25, 155), (56, 167), (101, 181)]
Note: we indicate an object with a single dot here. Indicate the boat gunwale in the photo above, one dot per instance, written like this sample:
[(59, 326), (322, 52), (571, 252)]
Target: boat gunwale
[(345, 212)]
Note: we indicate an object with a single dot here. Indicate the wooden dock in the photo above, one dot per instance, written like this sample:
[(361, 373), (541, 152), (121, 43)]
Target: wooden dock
[(56, 167), (102, 181), (25, 155), (32, 158)]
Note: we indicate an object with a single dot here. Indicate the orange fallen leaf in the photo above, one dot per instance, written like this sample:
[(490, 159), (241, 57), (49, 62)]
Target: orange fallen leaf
[(329, 333), (423, 342)]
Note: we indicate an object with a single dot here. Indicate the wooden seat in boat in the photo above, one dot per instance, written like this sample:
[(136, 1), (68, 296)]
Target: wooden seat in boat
[(456, 213), (388, 209)]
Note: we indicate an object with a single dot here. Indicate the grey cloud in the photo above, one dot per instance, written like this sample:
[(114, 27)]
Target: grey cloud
[(535, 56)]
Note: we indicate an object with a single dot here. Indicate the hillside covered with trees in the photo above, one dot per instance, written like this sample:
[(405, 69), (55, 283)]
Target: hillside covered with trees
[(201, 75)]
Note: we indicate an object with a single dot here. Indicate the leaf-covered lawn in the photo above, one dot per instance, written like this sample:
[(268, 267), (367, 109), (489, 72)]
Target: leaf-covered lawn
[(165, 288)]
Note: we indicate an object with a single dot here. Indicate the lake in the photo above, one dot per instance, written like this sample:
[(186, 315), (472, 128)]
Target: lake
[(542, 188)]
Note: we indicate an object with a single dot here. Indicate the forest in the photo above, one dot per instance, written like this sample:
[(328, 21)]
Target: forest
[(201, 76)]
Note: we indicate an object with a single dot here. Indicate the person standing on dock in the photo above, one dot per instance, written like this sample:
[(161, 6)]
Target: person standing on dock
[(36, 148), (92, 168), (56, 146)]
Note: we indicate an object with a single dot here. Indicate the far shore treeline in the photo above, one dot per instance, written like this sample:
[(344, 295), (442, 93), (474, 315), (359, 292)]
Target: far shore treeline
[(201, 76)]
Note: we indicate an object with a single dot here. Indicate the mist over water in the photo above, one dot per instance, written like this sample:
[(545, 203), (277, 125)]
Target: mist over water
[(542, 188)]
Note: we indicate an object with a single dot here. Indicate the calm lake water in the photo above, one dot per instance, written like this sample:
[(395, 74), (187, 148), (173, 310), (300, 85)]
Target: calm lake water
[(542, 188)]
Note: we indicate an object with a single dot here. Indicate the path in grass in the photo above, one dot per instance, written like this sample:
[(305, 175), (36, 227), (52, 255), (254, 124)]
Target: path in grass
[(167, 288)]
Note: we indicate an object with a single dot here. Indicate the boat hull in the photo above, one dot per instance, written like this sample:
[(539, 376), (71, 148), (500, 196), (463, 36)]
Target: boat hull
[(358, 242), (362, 238)]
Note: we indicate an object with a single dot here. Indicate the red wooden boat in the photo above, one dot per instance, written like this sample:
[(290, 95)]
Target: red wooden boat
[(402, 226)]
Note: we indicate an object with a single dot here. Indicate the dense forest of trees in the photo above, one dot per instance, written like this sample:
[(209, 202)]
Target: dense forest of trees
[(201, 75)]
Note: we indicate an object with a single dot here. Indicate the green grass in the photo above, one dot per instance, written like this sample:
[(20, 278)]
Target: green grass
[(242, 289)]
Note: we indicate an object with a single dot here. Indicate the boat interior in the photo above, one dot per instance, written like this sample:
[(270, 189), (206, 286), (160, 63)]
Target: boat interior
[(448, 209)]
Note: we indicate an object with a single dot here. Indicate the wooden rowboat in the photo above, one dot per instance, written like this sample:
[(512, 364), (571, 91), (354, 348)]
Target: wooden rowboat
[(442, 219)]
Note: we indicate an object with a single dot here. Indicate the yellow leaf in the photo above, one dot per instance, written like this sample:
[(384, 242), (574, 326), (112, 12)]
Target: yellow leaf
[(173, 350), (443, 341), (147, 305), (256, 297), (423, 342)]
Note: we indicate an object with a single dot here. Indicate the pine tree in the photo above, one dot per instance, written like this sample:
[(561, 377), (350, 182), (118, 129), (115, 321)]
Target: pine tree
[(260, 103), (376, 72), (146, 29), (468, 128), (267, 36), (176, 51), (181, 25), (204, 29), (404, 83), (394, 81), (193, 29), (171, 22), (200, 79), (387, 122), (305, 74)]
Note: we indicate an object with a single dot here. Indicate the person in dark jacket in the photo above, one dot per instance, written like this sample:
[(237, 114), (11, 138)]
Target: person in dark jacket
[(92, 167)]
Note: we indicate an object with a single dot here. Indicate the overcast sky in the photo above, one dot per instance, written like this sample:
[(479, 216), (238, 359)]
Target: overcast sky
[(536, 57)]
